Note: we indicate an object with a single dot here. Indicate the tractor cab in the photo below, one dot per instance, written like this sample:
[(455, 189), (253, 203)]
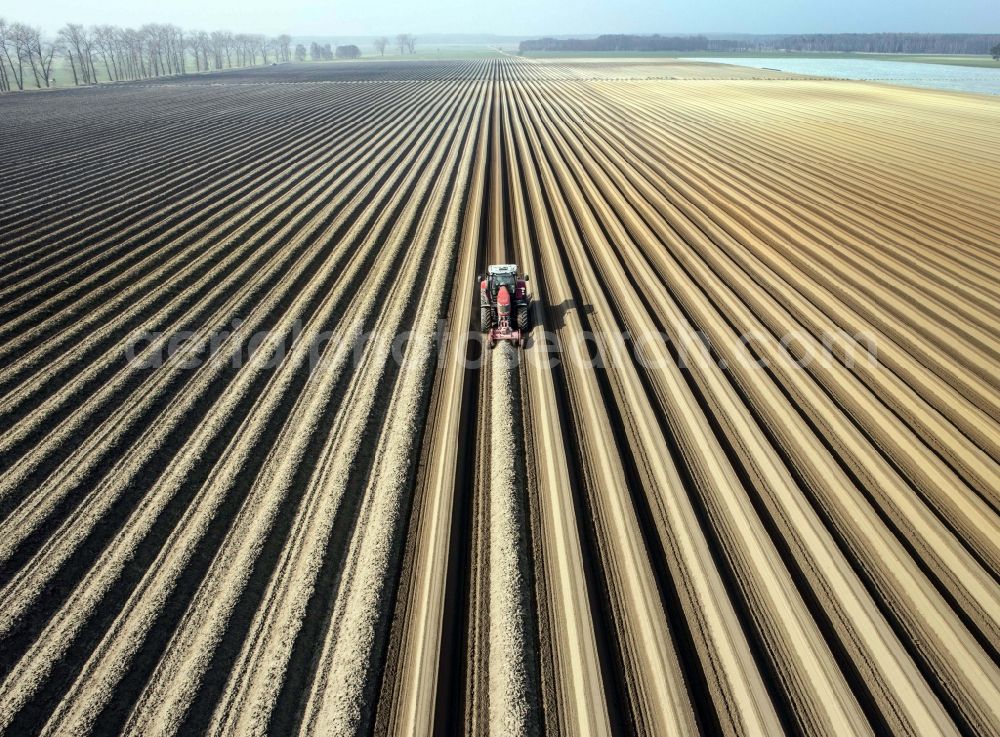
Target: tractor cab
[(501, 275)]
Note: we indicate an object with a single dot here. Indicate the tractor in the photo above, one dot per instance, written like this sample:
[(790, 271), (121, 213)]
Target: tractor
[(503, 303)]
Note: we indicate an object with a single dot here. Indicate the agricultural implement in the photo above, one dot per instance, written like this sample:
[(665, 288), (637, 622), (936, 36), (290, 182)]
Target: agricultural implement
[(503, 303)]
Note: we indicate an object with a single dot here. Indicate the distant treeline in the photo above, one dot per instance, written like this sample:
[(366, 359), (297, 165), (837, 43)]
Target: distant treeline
[(326, 52), (27, 56), (877, 43), (890, 43), (154, 50), (624, 42)]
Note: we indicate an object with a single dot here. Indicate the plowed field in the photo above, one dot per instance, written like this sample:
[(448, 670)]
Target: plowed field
[(258, 475)]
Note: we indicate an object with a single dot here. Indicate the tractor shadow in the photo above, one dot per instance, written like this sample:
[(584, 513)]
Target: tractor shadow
[(555, 318), (555, 315)]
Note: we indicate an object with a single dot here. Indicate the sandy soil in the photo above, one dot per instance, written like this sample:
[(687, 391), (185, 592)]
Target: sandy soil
[(773, 509), (509, 696)]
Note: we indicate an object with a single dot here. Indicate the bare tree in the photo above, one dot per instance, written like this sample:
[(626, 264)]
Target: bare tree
[(283, 47), (16, 51), (179, 48), (166, 48), (196, 42), (10, 52), (39, 53), (157, 49), (228, 47), (265, 46), (223, 45), (125, 53), (380, 43), (134, 45), (70, 38), (88, 55), (240, 43), (4, 79), (406, 42), (154, 50), (218, 39), (70, 34), (207, 48), (104, 42)]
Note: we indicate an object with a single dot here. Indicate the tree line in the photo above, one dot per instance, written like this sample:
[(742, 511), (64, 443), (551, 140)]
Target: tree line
[(876, 43), (405, 42), (154, 50), (627, 42), (326, 52), (889, 43)]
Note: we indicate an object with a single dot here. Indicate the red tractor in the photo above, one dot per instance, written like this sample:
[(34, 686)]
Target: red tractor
[(503, 303)]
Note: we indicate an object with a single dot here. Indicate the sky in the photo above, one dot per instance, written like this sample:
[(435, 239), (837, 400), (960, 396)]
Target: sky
[(523, 17)]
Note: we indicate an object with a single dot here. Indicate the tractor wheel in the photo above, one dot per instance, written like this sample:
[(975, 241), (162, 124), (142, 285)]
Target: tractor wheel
[(522, 318), (485, 318)]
